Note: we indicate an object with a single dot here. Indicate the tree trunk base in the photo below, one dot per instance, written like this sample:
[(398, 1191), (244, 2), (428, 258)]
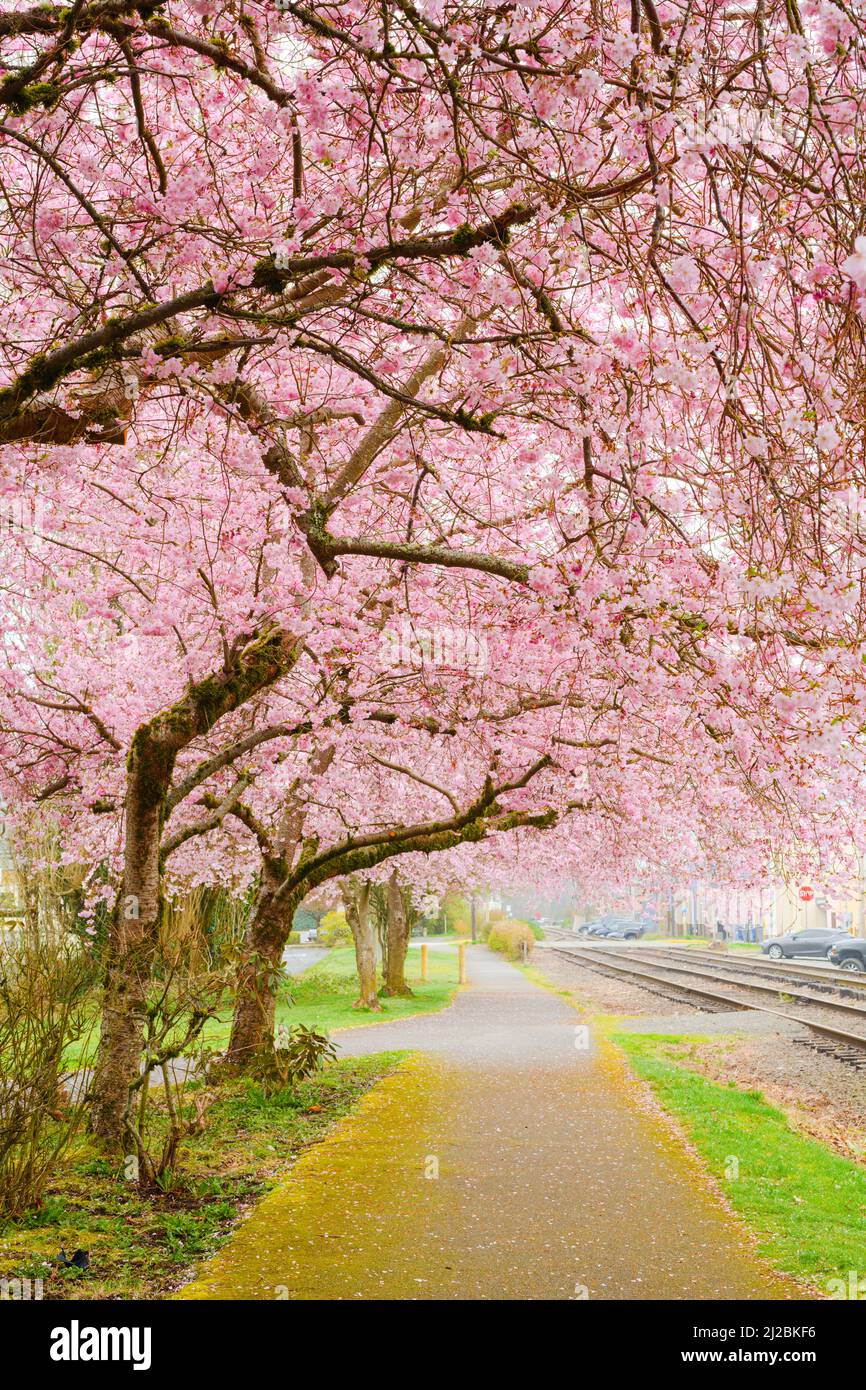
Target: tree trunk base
[(229, 1066), (387, 992), (367, 1004)]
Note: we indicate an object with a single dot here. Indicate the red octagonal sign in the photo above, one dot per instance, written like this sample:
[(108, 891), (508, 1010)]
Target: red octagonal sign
[(806, 893)]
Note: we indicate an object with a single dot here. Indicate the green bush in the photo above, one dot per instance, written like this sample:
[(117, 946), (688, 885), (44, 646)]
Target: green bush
[(47, 994), (299, 1052), (494, 917), (514, 939), (334, 930), (457, 913)]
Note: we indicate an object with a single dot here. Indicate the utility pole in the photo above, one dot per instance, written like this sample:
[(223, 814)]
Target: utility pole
[(472, 916)]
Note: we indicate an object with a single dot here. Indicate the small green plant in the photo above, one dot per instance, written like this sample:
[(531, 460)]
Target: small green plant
[(207, 1187), (183, 1234), (52, 1212), (298, 1053), (99, 1168)]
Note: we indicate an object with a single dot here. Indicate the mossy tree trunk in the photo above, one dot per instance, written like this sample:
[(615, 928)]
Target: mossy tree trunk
[(397, 938), (260, 971), (312, 865), (135, 924), (267, 935), (132, 940), (356, 897)]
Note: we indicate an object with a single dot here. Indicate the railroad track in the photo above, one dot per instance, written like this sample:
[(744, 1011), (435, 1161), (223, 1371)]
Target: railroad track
[(848, 1047), (725, 971), (827, 980), (845, 982)]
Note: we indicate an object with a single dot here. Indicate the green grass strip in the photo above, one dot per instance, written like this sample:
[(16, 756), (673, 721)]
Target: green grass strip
[(806, 1204)]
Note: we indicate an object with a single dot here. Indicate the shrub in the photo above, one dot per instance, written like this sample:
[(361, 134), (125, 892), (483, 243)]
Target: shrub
[(46, 1005), (514, 939), (299, 1052), (334, 930), (490, 919), (190, 984)]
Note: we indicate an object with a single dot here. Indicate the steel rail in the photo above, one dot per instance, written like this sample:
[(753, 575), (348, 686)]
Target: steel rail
[(714, 974), (769, 968), (625, 969), (796, 972)]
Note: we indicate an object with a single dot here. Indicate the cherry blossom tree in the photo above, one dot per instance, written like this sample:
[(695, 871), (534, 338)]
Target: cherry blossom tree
[(343, 329)]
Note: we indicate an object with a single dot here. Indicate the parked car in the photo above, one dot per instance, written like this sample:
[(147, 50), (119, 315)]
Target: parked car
[(849, 954), (814, 941), (602, 926), (626, 931), (586, 928), (617, 927)]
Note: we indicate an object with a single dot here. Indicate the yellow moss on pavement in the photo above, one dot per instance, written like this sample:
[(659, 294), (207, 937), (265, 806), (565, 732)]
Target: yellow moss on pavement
[(509, 1160), (348, 1200)]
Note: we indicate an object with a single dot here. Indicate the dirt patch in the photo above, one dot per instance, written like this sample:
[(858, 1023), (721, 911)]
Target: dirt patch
[(822, 1096)]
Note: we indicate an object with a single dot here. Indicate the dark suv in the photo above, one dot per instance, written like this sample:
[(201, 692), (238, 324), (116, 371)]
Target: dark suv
[(849, 954), (627, 931)]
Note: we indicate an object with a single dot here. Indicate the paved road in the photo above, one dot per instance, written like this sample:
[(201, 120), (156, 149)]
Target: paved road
[(508, 1161), (297, 959)]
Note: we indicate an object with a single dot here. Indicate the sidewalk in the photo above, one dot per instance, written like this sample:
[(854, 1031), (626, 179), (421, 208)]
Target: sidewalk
[(503, 1162)]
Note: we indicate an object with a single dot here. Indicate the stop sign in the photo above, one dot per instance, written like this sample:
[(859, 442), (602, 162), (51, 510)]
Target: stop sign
[(806, 893)]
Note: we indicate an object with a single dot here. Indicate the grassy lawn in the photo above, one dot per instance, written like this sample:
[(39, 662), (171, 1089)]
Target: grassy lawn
[(323, 997), (806, 1203), (143, 1246)]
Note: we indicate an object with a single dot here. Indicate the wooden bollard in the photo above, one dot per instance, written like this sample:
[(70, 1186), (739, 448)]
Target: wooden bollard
[(423, 960), (461, 957)]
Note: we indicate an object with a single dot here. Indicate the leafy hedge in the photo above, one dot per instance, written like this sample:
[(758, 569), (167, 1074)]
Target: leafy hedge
[(334, 930), (514, 939)]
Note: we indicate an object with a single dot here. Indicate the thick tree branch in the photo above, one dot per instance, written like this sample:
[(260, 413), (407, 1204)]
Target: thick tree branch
[(94, 349), (326, 548), (210, 766), (219, 811)]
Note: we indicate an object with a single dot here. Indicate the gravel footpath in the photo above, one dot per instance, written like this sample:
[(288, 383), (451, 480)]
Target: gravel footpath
[(611, 996), (508, 1161), (734, 988), (737, 1021)]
